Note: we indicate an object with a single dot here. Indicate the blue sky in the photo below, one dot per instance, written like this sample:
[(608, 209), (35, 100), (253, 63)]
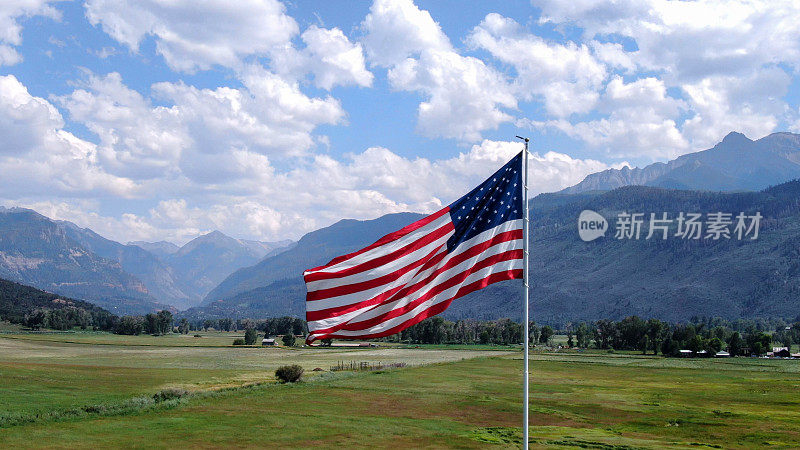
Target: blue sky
[(159, 119)]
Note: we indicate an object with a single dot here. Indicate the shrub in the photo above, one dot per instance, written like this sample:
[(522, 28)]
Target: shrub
[(169, 394), (238, 341), (288, 340), (289, 374)]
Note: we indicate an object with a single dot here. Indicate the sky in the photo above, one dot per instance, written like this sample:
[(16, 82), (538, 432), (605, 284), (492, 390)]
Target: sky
[(166, 119)]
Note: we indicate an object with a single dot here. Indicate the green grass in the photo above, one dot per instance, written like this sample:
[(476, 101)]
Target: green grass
[(206, 339), (577, 400)]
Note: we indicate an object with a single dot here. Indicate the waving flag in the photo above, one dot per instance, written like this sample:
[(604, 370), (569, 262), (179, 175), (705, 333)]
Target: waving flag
[(416, 272)]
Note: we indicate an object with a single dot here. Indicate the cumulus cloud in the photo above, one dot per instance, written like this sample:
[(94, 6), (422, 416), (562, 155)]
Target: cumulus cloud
[(40, 157), (209, 135), (319, 192), (328, 55), (11, 11), (397, 29), (640, 119), (726, 59), (567, 76), (465, 96), (193, 35), (135, 138), (736, 35)]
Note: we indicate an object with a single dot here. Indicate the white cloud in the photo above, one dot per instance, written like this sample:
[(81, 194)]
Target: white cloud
[(567, 76), (641, 120), (329, 56), (725, 60), (11, 11), (208, 135), (464, 95), (736, 35), (397, 29), (193, 35), (749, 104), (136, 139), (25, 121), (320, 191), (40, 157)]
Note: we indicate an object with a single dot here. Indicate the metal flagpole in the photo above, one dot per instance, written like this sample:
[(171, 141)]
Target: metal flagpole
[(526, 332)]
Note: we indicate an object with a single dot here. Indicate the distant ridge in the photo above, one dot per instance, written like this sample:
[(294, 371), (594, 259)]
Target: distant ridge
[(735, 164), (574, 280), (48, 255)]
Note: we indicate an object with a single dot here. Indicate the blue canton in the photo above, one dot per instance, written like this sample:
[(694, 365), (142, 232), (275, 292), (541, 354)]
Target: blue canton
[(496, 200)]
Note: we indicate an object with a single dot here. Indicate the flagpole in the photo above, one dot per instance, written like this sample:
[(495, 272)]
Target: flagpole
[(526, 332)]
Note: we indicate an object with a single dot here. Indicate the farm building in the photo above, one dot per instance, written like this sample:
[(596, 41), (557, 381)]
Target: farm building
[(722, 354), (780, 352), (268, 342)]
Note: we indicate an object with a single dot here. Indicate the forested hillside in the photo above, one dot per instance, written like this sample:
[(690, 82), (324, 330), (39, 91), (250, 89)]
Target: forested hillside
[(26, 305)]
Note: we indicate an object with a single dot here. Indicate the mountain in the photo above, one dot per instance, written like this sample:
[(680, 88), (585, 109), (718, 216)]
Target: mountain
[(160, 249), (673, 279), (40, 252), (202, 263), (313, 249), (160, 279), (735, 164)]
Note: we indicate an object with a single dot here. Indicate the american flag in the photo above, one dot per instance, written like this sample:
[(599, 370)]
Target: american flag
[(416, 272)]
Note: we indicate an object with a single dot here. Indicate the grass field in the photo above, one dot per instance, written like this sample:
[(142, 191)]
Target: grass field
[(445, 398)]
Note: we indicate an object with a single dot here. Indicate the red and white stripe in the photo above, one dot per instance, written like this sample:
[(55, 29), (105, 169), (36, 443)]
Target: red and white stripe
[(406, 277)]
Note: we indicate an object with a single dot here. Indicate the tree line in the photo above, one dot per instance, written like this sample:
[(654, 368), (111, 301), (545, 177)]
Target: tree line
[(739, 338)]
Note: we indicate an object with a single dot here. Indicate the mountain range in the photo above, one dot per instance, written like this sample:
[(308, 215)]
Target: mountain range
[(61, 257), (673, 279), (218, 276), (735, 164), (566, 275)]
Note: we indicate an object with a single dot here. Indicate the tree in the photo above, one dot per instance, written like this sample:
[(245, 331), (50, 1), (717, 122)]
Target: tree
[(163, 322), (582, 335), (534, 332), (130, 325), (546, 334), (570, 343), (183, 328), (735, 344), (150, 324), (289, 340), (250, 336), (759, 342), (644, 344)]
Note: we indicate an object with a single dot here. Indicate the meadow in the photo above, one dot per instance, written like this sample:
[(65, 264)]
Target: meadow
[(72, 390)]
